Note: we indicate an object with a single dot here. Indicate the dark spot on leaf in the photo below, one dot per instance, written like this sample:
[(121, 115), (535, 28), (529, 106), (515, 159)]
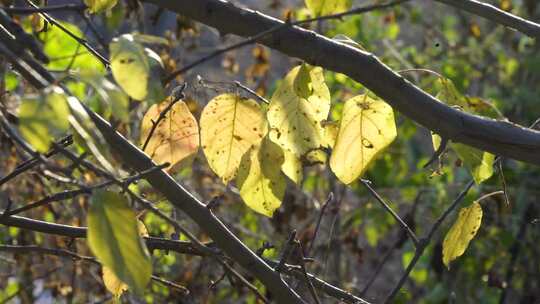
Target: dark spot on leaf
[(366, 143)]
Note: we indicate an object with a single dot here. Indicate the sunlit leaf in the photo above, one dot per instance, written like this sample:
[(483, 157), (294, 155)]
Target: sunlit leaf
[(156, 93), (261, 183), (314, 157), (230, 126), (175, 138), (292, 166), (302, 84), (295, 121), (330, 131), (327, 7), (65, 52), (367, 127), (96, 6), (462, 232), (114, 285), (130, 66), (44, 118), (114, 238), (479, 163)]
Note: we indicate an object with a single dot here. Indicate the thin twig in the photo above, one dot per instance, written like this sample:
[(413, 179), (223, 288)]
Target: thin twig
[(198, 244), (70, 254), (244, 281), (425, 241), (328, 201), (515, 249), (437, 154), (32, 162), (503, 181), (483, 197), (61, 196), (170, 284), (404, 225), (308, 281), (237, 85), (286, 251)]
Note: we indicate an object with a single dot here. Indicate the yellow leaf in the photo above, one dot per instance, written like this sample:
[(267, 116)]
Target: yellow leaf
[(130, 66), (143, 231), (261, 183), (114, 238), (327, 7), (96, 6), (292, 167), (175, 138), (478, 162), (114, 285), (331, 129), (230, 126), (295, 121), (314, 157), (367, 127), (462, 232)]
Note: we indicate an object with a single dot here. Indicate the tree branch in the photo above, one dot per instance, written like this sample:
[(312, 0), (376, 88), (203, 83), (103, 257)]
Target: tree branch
[(497, 15), (182, 247), (80, 232), (498, 137)]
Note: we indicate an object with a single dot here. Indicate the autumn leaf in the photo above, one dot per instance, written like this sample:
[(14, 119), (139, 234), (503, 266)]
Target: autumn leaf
[(130, 66), (113, 284), (367, 127), (330, 131), (462, 232), (292, 167), (230, 127), (297, 108), (113, 236), (44, 117), (175, 138), (327, 7), (261, 183), (477, 162)]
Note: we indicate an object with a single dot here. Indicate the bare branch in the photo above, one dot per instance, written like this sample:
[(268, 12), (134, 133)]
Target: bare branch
[(402, 223), (425, 241), (80, 232), (496, 15)]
